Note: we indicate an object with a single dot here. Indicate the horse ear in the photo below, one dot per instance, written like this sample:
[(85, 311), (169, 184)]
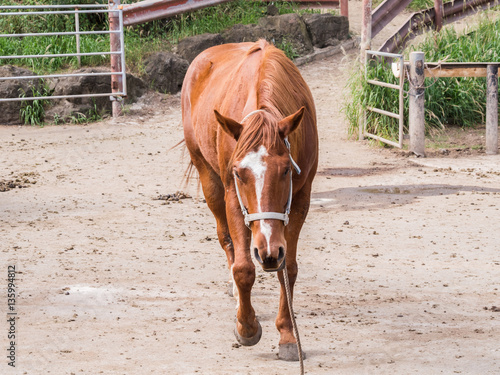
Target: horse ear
[(290, 123), (230, 126)]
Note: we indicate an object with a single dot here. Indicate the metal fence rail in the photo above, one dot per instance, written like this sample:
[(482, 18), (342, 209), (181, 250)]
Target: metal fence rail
[(27, 10), (400, 87)]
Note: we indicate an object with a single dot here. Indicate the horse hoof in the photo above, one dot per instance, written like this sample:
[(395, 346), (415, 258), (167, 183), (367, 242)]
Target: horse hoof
[(289, 352), (248, 341)]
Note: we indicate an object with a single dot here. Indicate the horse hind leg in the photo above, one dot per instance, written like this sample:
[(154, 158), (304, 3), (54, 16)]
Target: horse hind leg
[(213, 190)]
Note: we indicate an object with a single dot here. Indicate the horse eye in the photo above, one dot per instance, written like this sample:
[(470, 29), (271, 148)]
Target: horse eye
[(286, 171), (237, 175)]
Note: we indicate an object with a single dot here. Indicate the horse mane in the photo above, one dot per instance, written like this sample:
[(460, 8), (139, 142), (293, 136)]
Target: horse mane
[(260, 129), (280, 93), (281, 88)]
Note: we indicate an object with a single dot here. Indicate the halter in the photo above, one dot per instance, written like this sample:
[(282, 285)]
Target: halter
[(268, 215)]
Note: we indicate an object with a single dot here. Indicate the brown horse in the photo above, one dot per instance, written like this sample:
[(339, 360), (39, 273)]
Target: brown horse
[(250, 128)]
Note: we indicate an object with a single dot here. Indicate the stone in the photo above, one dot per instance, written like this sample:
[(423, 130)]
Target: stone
[(272, 10), (190, 47), (244, 33), (288, 28), (165, 72), (10, 111), (64, 109), (326, 29)]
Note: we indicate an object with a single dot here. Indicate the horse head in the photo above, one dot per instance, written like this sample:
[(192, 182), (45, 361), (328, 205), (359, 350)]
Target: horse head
[(260, 171)]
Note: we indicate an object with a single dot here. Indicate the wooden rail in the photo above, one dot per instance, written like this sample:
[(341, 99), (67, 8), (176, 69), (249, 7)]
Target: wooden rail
[(444, 69), (452, 69)]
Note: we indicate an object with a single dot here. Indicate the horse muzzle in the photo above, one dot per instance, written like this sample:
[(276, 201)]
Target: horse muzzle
[(271, 264)]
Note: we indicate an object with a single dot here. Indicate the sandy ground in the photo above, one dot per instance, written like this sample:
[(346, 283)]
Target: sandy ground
[(399, 266)]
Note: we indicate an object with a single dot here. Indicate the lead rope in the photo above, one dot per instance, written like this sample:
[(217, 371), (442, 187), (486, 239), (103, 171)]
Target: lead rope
[(292, 316)]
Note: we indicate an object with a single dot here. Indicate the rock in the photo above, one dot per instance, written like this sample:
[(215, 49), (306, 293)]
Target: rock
[(64, 109), (244, 33), (272, 10), (9, 111), (326, 29), (135, 88), (192, 46), (289, 28), (165, 72)]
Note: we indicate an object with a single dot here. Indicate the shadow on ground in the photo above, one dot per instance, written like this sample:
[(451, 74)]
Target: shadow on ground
[(385, 196)]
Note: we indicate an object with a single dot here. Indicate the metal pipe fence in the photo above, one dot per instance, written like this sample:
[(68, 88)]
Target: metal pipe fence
[(27, 10), (399, 116)]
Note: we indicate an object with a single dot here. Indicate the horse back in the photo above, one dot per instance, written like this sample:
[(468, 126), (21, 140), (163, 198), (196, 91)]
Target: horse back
[(236, 79)]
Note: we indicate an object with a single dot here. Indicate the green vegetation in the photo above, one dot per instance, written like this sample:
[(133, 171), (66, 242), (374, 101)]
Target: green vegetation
[(415, 5), (52, 44), (33, 112), (456, 101), (141, 40), (81, 118)]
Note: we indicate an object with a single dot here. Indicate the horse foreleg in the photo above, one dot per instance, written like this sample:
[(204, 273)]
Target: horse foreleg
[(248, 330), (283, 320), (287, 344)]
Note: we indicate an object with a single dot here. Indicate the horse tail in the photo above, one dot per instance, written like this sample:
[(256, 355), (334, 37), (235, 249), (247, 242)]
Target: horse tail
[(178, 144)]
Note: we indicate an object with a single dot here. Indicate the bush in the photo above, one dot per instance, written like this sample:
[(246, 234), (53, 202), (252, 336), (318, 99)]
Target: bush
[(456, 101)]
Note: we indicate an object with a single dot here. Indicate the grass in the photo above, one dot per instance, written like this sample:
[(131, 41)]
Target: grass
[(33, 112), (415, 5), (141, 40), (52, 44), (448, 101)]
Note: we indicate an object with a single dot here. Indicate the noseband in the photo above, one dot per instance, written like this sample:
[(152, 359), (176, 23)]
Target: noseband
[(268, 215)]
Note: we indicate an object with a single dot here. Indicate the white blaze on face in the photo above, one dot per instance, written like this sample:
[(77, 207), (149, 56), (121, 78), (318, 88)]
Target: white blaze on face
[(254, 162)]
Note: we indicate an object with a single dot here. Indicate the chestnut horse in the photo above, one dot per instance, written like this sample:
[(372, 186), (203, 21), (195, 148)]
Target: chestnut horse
[(250, 128)]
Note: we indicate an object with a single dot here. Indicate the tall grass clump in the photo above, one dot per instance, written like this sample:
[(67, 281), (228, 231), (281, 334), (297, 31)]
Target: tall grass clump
[(360, 95), (450, 101)]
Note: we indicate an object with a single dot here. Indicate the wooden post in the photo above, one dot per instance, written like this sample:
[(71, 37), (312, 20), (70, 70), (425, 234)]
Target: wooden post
[(417, 103), (438, 8), (492, 109), (366, 27), (344, 8), (116, 63)]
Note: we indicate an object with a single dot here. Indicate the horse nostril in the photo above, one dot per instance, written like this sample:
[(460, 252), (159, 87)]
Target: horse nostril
[(257, 256), (281, 253)]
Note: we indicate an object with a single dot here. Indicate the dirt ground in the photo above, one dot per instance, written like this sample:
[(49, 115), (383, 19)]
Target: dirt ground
[(399, 266)]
